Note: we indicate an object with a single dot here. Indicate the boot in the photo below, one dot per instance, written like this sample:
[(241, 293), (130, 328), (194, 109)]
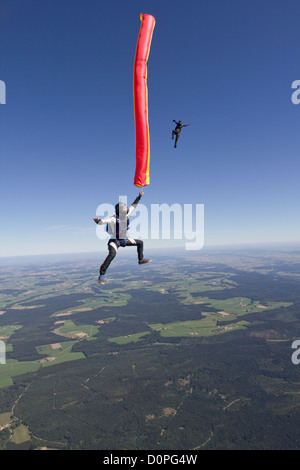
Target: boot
[(143, 261)]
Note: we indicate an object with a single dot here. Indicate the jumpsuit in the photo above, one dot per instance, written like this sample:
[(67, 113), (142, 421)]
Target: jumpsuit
[(119, 231), (177, 131)]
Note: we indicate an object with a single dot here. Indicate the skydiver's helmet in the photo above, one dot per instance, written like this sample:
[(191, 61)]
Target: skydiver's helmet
[(121, 209)]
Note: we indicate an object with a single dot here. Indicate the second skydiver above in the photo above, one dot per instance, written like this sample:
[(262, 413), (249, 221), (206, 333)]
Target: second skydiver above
[(177, 131)]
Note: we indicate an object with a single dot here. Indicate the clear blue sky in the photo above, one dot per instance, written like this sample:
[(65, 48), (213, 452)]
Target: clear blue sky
[(67, 128)]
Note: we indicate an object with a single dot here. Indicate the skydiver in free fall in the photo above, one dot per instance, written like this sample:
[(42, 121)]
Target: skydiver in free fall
[(117, 227), (177, 131)]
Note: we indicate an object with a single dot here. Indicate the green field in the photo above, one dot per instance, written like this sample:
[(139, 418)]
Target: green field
[(70, 330), (20, 435), (128, 338), (7, 331), (236, 306), (195, 328), (4, 418), (206, 326), (60, 354), (210, 323), (13, 368)]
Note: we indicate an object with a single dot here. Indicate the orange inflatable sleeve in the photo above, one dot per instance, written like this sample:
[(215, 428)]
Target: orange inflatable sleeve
[(140, 98)]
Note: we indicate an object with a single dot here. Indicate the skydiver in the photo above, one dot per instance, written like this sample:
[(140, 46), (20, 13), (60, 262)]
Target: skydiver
[(117, 226), (177, 131)]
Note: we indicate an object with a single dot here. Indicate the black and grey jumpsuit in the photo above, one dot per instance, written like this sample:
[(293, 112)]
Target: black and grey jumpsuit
[(177, 131), (119, 236)]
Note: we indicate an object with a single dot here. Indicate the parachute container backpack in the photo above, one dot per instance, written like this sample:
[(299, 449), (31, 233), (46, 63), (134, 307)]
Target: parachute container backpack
[(140, 98)]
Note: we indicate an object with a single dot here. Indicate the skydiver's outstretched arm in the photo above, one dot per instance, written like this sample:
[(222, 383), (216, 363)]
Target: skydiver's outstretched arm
[(103, 221), (135, 203)]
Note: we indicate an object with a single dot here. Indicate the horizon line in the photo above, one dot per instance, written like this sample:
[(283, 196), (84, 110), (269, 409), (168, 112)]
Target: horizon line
[(212, 246)]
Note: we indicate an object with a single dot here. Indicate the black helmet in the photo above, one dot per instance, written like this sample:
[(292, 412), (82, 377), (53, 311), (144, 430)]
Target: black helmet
[(117, 207)]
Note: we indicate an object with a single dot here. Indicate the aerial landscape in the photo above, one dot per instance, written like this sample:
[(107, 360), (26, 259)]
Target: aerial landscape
[(194, 353)]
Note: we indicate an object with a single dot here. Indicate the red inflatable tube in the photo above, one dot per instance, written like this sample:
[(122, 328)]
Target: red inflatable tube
[(140, 97)]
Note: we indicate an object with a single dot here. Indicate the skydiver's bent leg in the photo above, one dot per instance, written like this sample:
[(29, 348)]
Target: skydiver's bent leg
[(112, 251), (140, 247)]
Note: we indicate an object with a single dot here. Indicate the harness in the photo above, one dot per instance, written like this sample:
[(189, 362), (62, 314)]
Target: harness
[(119, 231)]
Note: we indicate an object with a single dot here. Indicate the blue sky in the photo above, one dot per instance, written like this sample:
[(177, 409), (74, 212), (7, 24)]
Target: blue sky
[(67, 128)]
